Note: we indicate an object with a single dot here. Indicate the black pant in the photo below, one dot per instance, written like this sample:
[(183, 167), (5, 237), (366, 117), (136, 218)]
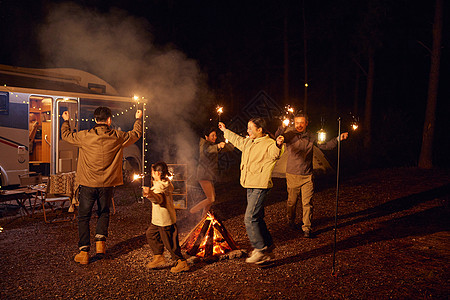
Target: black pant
[(87, 198), (160, 236)]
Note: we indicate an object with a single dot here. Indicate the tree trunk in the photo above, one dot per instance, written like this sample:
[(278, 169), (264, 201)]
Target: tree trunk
[(368, 105), (286, 61), (426, 152), (356, 97)]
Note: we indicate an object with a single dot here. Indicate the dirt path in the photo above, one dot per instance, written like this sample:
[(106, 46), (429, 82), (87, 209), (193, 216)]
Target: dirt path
[(392, 242)]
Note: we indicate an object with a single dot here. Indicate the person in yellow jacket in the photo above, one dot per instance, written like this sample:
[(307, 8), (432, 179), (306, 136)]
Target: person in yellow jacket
[(99, 170), (259, 155)]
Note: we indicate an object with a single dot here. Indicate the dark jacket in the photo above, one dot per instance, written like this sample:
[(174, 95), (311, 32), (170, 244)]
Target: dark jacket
[(101, 152), (208, 160), (300, 150)]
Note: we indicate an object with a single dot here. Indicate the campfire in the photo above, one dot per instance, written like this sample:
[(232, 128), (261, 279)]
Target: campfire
[(208, 239)]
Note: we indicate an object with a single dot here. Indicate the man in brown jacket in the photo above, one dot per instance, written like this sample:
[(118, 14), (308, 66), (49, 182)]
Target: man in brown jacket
[(99, 170)]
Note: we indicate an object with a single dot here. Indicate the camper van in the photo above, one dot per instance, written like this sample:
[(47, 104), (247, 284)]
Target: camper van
[(30, 120)]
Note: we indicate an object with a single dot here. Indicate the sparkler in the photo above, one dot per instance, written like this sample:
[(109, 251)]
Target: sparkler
[(219, 110), (289, 113), (355, 122), (137, 176)]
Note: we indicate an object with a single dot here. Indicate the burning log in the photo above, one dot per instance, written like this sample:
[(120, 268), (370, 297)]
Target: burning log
[(209, 238), (199, 238)]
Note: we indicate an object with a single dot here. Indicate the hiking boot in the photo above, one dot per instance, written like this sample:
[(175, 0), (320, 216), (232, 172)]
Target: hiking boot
[(181, 266), (100, 247), (158, 261), (82, 257), (258, 257)]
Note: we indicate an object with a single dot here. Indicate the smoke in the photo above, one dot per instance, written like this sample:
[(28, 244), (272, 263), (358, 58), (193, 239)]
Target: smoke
[(119, 48)]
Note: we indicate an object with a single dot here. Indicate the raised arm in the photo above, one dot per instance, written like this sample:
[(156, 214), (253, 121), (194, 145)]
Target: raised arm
[(66, 133), (132, 136), (237, 140)]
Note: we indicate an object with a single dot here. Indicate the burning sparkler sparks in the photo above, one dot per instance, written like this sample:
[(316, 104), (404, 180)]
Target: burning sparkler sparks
[(289, 109), (289, 114), (137, 176), (219, 111), (171, 175)]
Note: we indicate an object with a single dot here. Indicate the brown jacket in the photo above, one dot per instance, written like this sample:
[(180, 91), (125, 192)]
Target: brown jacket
[(101, 152)]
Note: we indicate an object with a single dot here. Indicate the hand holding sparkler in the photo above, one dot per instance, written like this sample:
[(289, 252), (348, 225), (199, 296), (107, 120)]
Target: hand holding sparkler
[(65, 115), (138, 114), (222, 126), (145, 191), (280, 140), (152, 196), (343, 136)]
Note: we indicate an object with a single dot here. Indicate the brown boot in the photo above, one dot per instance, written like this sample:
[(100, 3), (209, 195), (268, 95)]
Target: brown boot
[(100, 247), (158, 261), (181, 266), (82, 257)]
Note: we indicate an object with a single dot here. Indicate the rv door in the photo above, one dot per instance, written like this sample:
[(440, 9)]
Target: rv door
[(64, 155)]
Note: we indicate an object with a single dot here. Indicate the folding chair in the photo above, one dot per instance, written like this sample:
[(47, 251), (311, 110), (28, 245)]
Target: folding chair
[(59, 190)]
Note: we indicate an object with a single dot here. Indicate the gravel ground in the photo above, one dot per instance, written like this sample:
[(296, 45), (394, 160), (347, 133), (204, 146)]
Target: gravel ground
[(392, 242)]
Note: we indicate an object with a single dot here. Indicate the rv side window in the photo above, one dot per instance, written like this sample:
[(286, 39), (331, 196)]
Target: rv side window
[(4, 103)]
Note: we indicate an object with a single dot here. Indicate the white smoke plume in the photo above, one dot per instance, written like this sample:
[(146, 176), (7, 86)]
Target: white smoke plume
[(119, 48)]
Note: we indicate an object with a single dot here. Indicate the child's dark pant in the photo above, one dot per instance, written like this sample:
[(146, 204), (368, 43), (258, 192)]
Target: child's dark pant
[(159, 237)]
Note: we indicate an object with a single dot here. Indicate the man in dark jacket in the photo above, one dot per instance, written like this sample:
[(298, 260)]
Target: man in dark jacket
[(99, 170), (299, 168)]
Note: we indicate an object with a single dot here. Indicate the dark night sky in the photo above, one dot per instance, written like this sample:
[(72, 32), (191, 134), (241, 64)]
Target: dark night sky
[(239, 46)]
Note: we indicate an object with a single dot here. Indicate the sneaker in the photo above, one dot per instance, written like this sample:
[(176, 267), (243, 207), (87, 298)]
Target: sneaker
[(258, 257), (269, 251), (181, 266), (82, 257), (158, 261)]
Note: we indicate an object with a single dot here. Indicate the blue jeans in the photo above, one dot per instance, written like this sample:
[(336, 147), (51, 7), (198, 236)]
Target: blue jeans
[(257, 231), (87, 198)]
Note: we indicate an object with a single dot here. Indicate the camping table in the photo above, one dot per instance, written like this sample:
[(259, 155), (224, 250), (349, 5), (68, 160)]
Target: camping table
[(20, 195)]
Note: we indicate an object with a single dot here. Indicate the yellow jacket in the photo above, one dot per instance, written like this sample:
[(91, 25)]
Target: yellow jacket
[(101, 153), (258, 159)]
